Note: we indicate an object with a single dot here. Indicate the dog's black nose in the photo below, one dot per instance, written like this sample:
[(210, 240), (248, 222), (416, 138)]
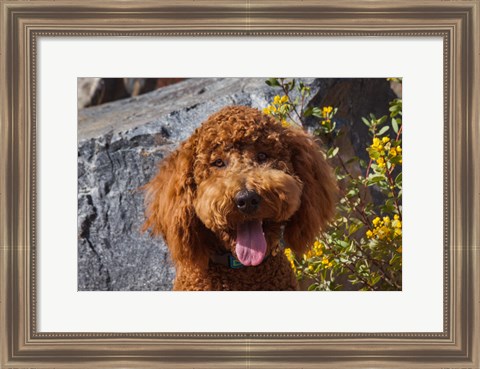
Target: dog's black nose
[(247, 201)]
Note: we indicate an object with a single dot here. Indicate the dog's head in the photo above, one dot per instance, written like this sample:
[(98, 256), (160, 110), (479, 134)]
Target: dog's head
[(237, 184)]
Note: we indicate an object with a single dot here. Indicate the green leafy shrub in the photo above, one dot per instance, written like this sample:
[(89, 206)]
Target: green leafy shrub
[(362, 248)]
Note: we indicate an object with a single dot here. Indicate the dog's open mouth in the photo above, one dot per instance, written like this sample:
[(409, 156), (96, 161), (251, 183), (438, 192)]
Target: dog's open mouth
[(251, 245)]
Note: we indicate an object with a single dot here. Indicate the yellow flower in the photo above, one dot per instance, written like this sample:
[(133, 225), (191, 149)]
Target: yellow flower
[(266, 110), (396, 224), (385, 139), (291, 258), (399, 149), (285, 123), (330, 264), (310, 268), (393, 152), (381, 162), (284, 99), (376, 142), (383, 232), (325, 260), (399, 249), (326, 110), (386, 228), (276, 99)]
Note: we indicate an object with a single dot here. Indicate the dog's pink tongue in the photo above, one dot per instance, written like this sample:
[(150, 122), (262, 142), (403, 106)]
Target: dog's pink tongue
[(251, 244)]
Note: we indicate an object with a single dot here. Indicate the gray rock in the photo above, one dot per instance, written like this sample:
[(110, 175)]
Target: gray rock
[(87, 89), (119, 147)]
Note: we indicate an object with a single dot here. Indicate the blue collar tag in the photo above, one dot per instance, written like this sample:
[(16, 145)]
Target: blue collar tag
[(234, 263)]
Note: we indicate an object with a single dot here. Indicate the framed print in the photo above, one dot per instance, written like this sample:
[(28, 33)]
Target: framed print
[(82, 285)]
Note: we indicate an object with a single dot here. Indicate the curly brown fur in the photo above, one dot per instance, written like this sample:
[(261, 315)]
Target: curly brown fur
[(194, 202)]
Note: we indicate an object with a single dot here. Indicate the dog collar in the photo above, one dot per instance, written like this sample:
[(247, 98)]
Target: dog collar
[(228, 260)]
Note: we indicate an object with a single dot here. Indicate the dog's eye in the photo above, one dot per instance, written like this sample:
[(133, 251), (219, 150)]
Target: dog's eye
[(218, 163), (261, 157)]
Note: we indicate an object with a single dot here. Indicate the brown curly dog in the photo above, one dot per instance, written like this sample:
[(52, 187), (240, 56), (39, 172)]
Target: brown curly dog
[(232, 193)]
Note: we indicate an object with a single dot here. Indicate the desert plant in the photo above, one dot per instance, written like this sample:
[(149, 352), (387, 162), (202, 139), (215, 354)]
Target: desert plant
[(363, 245)]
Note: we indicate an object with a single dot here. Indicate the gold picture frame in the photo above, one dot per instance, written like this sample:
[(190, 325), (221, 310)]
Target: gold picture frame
[(23, 22)]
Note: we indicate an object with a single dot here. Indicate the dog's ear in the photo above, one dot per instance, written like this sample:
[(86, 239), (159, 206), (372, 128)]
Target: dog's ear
[(320, 190), (169, 207)]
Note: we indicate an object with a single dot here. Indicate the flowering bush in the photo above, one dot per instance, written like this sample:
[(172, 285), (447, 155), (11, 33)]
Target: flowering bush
[(362, 248)]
